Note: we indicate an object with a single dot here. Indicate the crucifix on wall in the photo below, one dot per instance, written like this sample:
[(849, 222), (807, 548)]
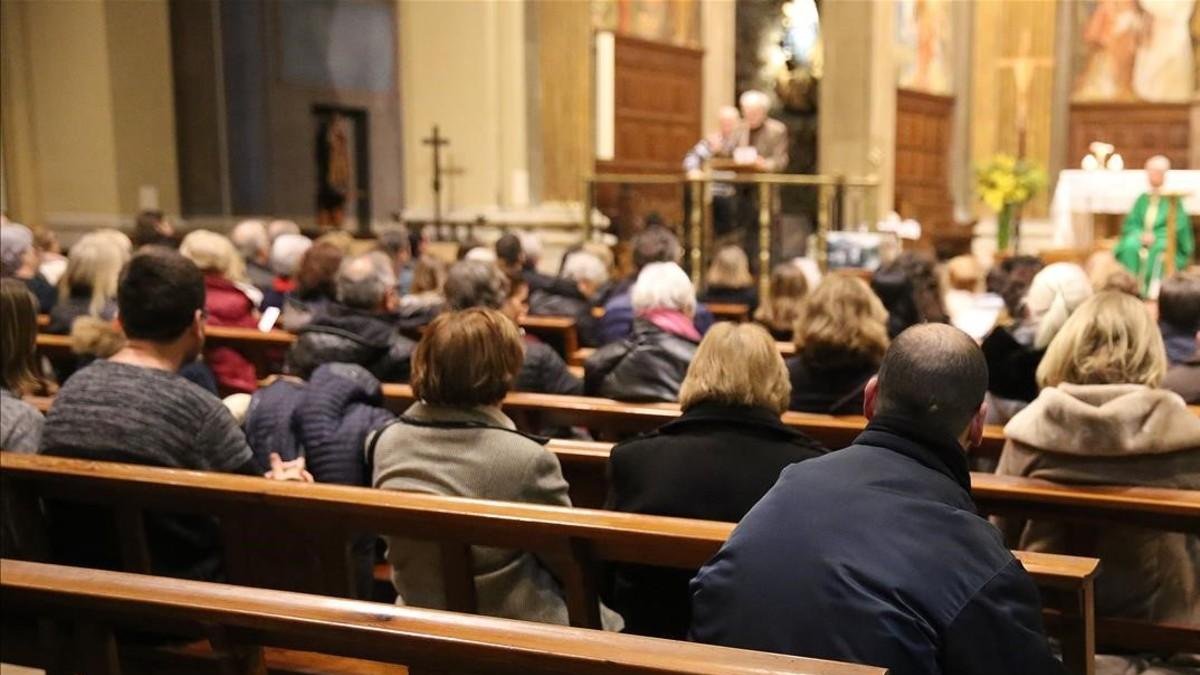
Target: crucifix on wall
[(436, 141), (1023, 67)]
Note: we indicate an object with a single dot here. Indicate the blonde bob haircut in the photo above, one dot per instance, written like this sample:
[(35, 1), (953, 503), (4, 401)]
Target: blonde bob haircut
[(93, 268), (737, 364), (842, 322), (467, 358), (1109, 339), (730, 269), (213, 253)]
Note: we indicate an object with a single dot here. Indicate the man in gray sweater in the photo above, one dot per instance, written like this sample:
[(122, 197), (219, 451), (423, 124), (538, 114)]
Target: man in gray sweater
[(134, 408)]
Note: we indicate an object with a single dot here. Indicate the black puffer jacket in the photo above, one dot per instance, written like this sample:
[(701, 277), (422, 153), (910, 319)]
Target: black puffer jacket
[(649, 365), (344, 335), (567, 302), (544, 371)]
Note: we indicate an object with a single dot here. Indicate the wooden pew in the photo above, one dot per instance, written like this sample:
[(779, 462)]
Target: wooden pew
[(557, 331), (722, 311), (310, 527), (615, 418), (248, 619)]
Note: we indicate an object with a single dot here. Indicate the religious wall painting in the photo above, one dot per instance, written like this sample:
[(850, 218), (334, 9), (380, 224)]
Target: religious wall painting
[(674, 22), (923, 53), (343, 167), (1135, 50)]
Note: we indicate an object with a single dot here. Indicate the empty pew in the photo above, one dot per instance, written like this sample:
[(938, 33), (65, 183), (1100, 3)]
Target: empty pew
[(248, 619), (294, 536), (616, 418), (557, 331)]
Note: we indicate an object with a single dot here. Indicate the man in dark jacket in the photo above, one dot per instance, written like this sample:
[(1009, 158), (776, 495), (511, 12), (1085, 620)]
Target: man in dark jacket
[(874, 554), (585, 275), (359, 327), (1179, 315)]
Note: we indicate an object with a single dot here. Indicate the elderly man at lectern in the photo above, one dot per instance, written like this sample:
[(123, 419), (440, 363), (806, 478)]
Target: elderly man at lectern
[(1148, 234), (768, 137)]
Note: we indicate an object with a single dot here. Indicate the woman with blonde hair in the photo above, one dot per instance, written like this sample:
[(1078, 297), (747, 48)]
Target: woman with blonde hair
[(455, 441), (1101, 419), (722, 455), (778, 312), (88, 287), (729, 281), (228, 301), (841, 334)]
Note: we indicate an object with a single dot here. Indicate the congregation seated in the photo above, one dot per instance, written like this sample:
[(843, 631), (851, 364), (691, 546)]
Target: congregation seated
[(426, 297), (358, 328), (909, 289), (968, 309), (20, 422), (395, 242), (133, 407), (455, 441), (51, 262), (316, 286), (651, 363), (286, 249), (19, 260), (89, 284), (151, 227), (1179, 315), (874, 553), (712, 463), (587, 276), (1013, 351), (1184, 378), (254, 245), (654, 244), (472, 283), (840, 338), (1101, 418), (728, 280), (778, 311), (228, 301)]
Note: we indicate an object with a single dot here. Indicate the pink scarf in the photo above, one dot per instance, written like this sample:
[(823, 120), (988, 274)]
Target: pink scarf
[(673, 322)]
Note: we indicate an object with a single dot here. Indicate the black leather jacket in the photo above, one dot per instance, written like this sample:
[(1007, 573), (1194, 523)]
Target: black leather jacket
[(344, 335), (649, 365)]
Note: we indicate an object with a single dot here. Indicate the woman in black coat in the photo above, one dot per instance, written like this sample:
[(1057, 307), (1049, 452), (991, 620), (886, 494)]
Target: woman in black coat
[(841, 335), (714, 462)]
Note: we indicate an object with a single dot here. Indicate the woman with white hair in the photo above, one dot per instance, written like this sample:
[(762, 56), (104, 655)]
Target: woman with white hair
[(1014, 351), (580, 282), (651, 363), (89, 285), (286, 251), (228, 301)]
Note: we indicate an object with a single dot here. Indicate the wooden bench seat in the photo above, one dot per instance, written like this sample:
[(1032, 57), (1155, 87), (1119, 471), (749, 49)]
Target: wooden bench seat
[(296, 536), (729, 311), (557, 331), (246, 619)]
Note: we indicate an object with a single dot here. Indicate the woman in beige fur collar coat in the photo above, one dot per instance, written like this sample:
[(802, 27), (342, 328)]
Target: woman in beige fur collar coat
[(1101, 419)]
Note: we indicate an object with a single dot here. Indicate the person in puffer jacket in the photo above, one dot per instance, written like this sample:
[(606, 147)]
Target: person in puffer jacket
[(326, 420)]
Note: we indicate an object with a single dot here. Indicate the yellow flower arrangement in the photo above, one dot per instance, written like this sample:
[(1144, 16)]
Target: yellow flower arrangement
[(1005, 184)]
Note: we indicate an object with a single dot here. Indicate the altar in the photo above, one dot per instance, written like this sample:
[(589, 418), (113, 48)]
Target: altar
[(1081, 194)]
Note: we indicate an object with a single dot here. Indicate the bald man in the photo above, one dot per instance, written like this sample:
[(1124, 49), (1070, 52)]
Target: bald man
[(874, 554), (1143, 243)]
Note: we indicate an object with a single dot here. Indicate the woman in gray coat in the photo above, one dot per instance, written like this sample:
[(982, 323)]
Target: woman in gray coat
[(455, 441)]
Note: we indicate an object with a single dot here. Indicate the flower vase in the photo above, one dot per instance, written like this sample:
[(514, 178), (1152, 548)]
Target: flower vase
[(1004, 226)]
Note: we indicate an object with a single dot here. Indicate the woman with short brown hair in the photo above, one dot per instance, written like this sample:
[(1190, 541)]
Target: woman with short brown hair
[(456, 442), (841, 334)]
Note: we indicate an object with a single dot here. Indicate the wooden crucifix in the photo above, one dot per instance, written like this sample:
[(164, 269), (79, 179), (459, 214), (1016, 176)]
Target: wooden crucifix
[(437, 141), (1023, 67)]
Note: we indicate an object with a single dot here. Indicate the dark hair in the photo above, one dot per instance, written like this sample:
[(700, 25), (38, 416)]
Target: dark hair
[(508, 250), (471, 283), (146, 231), (18, 328), (654, 244), (465, 246), (159, 294), (908, 287), (1011, 280), (416, 242), (1179, 302), (316, 275), (467, 358), (934, 375)]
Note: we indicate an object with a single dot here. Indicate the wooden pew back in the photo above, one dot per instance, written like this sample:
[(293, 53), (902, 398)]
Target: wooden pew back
[(250, 618), (258, 517)]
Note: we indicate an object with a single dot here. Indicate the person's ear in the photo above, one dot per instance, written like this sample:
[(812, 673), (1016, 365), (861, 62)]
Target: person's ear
[(975, 433), (870, 395)]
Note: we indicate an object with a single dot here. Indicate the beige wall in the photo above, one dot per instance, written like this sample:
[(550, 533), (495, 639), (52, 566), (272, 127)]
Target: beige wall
[(87, 112), (718, 23)]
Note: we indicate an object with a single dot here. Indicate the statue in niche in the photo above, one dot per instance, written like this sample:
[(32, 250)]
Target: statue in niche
[(335, 178)]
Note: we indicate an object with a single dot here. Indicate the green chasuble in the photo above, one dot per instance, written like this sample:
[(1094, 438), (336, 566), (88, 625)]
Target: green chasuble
[(1129, 247)]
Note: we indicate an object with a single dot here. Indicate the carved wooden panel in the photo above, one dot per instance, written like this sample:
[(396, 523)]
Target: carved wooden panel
[(924, 127), (657, 120), (1139, 131)]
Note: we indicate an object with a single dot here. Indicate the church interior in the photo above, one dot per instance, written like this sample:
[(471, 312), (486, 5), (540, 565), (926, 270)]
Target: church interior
[(600, 336)]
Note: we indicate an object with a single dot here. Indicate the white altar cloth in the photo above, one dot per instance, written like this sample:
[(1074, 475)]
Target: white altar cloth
[(1080, 194)]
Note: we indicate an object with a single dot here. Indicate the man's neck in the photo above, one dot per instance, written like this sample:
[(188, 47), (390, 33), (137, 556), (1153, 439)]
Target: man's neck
[(146, 354)]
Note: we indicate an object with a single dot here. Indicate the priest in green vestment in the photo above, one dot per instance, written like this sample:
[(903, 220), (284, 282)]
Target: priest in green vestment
[(1143, 243)]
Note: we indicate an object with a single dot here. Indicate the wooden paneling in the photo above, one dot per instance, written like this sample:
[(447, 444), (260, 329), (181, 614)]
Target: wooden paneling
[(924, 128), (564, 96), (657, 120), (1138, 130)]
